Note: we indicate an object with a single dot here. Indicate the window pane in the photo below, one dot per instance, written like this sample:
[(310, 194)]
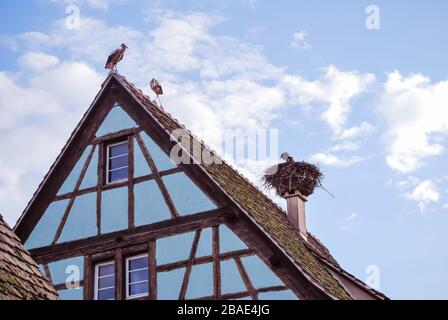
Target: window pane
[(117, 150), (138, 288), (137, 276), (120, 174), (106, 269), (118, 162), (106, 282), (106, 294), (138, 263)]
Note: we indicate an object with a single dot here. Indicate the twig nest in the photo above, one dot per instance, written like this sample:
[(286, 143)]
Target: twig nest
[(289, 177)]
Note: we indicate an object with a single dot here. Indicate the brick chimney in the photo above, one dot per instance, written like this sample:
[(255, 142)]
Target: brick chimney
[(296, 203)]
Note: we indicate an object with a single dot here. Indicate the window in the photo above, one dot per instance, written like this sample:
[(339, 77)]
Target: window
[(105, 281), (117, 162), (137, 275)]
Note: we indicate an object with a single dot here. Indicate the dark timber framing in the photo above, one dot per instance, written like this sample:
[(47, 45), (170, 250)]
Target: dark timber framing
[(112, 93)]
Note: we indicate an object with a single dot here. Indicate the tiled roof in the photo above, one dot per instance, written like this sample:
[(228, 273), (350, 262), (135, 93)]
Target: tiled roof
[(270, 217), (20, 278)]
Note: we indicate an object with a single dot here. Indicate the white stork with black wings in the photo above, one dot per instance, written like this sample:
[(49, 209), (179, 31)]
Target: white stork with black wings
[(115, 57), (286, 157)]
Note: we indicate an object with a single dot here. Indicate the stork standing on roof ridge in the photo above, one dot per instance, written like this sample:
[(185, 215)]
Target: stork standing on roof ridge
[(115, 57), (157, 88)]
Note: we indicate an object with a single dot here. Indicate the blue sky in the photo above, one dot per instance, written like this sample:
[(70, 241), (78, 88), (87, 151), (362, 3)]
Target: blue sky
[(370, 106)]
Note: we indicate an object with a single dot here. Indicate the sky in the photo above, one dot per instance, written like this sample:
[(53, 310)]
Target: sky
[(358, 87)]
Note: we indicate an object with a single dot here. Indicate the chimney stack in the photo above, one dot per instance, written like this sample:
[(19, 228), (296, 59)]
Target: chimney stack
[(296, 203), (294, 181)]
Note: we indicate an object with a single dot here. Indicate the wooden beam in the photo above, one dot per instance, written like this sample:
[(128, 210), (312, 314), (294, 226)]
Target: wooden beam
[(116, 135), (100, 181), (135, 236), (131, 223), (72, 200), (47, 272), (88, 277), (70, 154), (120, 281), (118, 184), (243, 294), (159, 180), (206, 259), (243, 273), (216, 264), (190, 262), (152, 269)]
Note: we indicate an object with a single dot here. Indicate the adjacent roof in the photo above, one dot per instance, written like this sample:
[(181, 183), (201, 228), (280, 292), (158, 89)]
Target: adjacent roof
[(20, 278)]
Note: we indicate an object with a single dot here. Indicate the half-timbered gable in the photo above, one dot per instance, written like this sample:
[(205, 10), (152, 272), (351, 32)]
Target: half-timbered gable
[(116, 218)]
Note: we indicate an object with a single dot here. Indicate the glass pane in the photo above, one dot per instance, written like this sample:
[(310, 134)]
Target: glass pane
[(138, 288), (114, 210), (161, 160), (118, 150), (117, 175), (187, 197), (106, 282), (106, 269), (137, 276), (118, 162), (116, 120), (45, 229), (150, 206), (106, 294), (81, 222), (138, 263)]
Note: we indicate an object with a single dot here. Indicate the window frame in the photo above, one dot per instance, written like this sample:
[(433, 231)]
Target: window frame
[(108, 146), (127, 277), (96, 278)]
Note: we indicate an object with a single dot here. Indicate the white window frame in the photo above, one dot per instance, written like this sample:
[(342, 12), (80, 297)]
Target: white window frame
[(97, 271), (109, 146), (128, 296)]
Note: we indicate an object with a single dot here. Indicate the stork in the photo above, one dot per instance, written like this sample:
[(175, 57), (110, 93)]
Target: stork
[(287, 157), (156, 87), (115, 57)]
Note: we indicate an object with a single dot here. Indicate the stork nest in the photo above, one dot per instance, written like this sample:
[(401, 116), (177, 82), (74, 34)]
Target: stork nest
[(289, 177)]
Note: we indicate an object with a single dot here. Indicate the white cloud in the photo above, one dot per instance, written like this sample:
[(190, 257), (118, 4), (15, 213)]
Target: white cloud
[(345, 146), (236, 87), (331, 159), (334, 90), (425, 193), (37, 118), (445, 206), (351, 217), (299, 40), (95, 4), (37, 61), (416, 112)]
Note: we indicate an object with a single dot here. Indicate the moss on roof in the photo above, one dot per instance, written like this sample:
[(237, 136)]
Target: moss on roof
[(20, 277), (254, 202)]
